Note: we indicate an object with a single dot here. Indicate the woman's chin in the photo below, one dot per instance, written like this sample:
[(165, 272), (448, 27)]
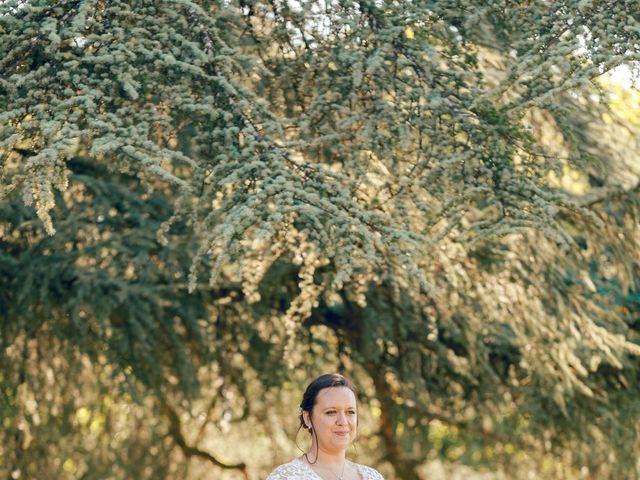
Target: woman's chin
[(341, 442)]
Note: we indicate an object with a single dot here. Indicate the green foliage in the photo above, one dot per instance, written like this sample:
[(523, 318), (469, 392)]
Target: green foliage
[(426, 195)]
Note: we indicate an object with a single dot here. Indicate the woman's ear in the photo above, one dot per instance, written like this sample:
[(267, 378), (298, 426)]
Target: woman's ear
[(307, 419)]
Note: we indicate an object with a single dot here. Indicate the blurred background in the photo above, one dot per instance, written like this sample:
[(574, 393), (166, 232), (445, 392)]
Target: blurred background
[(205, 205)]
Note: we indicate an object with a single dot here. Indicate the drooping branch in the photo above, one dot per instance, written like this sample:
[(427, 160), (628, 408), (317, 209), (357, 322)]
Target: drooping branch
[(599, 195), (175, 430)]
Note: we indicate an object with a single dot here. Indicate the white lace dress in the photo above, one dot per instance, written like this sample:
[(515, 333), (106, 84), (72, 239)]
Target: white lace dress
[(298, 469)]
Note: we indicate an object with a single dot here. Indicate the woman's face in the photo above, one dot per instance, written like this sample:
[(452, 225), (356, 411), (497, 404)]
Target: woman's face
[(334, 418)]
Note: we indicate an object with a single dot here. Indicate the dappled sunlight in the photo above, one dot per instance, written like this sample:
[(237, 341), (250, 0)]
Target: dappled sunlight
[(203, 205)]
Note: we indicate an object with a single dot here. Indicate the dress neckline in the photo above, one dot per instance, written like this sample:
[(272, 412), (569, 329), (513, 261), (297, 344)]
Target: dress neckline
[(308, 467)]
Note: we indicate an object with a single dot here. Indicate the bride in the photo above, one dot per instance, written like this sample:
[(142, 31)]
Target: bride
[(328, 411)]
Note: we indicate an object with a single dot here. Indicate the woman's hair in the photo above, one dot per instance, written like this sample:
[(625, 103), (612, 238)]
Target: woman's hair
[(310, 395)]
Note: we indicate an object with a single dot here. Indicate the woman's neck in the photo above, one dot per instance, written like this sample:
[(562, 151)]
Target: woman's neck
[(318, 456)]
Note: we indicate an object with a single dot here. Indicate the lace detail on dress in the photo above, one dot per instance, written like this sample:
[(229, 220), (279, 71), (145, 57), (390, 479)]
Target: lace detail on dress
[(299, 470), (368, 473), (295, 470)]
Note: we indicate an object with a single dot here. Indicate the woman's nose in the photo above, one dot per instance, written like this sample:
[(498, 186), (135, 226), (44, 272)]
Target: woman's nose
[(342, 419)]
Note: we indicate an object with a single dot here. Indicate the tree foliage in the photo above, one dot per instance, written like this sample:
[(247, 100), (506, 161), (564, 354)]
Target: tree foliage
[(439, 198)]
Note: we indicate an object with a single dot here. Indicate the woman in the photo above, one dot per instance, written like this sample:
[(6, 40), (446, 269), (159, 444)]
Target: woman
[(328, 411)]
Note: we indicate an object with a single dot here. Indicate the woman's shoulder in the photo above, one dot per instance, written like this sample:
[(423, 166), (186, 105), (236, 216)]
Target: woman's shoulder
[(293, 470), (369, 473)]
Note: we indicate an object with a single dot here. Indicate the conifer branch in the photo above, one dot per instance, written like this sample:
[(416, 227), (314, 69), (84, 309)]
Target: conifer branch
[(303, 169), (603, 194)]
